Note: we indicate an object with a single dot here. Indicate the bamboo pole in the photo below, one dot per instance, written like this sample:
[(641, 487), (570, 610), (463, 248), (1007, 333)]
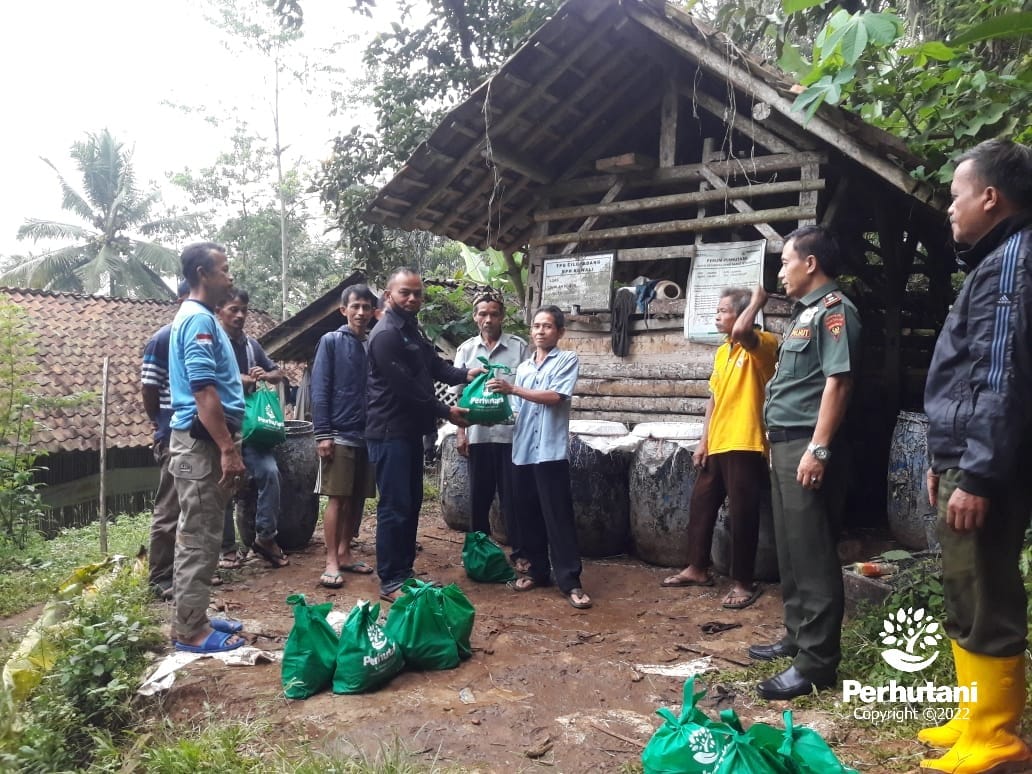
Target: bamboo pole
[(102, 510)]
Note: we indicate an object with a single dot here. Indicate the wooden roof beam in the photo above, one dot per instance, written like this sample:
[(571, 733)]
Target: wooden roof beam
[(507, 119), (693, 225), (740, 78), (745, 125), (679, 200), (741, 205), (687, 172), (511, 159)]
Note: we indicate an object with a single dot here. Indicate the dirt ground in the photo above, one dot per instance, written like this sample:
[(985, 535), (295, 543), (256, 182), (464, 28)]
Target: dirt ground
[(552, 687)]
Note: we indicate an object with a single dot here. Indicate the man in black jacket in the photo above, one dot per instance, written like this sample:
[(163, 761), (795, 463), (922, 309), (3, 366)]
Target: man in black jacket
[(403, 407), (979, 439)]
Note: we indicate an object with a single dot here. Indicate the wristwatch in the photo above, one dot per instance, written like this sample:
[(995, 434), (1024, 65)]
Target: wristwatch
[(820, 453)]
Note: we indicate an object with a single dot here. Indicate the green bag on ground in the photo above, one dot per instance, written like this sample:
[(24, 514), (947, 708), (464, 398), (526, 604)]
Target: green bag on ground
[(367, 658), (310, 653), (689, 744), (263, 419), (432, 625), (750, 752), (808, 750), (485, 406), (484, 561), (460, 615)]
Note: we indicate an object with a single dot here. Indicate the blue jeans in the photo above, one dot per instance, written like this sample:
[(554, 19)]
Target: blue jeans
[(261, 467), (399, 479)]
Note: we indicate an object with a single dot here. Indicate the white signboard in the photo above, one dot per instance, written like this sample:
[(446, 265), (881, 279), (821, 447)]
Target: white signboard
[(715, 267), (584, 281)]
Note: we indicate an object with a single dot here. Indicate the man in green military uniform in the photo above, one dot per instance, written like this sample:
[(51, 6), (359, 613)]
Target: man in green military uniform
[(805, 404)]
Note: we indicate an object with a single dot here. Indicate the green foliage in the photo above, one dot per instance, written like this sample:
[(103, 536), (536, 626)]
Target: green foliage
[(29, 574), (84, 701), (447, 313), (954, 73), (107, 256)]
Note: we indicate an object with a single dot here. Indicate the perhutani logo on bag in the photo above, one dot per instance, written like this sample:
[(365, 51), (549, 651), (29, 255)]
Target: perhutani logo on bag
[(703, 746)]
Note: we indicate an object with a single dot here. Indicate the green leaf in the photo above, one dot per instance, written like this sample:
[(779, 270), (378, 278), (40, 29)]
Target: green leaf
[(792, 61), (934, 49), (1009, 25), (882, 28), (791, 6)]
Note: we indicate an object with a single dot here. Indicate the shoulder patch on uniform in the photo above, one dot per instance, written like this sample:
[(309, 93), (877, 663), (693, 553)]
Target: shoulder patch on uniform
[(835, 323), (832, 299)]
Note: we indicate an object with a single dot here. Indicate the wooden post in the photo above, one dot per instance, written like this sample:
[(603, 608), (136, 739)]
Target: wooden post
[(668, 124), (102, 510)]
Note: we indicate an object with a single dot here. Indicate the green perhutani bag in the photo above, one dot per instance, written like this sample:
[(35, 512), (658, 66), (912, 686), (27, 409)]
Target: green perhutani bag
[(689, 744), (484, 561), (432, 625), (486, 407), (263, 419), (751, 752), (310, 652), (367, 658)]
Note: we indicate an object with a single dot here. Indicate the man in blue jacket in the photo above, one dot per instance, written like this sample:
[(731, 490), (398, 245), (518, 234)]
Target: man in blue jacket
[(402, 408), (977, 398), (338, 392)]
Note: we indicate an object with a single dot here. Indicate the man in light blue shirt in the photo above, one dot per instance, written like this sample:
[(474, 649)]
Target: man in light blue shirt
[(541, 474), (205, 460)]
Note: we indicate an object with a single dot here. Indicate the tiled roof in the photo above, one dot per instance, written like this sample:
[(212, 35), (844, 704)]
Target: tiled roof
[(73, 334)]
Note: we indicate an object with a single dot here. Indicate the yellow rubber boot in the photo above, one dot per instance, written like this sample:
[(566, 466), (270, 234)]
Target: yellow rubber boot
[(991, 736), (949, 732)]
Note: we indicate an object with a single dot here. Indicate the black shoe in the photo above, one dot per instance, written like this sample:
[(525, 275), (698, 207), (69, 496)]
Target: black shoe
[(771, 652), (788, 685)]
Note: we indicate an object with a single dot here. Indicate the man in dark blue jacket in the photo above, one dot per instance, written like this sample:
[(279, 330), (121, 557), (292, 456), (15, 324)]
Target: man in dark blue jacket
[(980, 439), (402, 408), (338, 414)]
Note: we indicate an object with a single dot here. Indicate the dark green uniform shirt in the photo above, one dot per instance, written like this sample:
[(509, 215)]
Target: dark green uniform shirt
[(823, 340)]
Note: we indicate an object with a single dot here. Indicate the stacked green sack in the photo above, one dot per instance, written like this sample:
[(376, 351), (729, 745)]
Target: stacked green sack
[(432, 625), (484, 561), (695, 744), (367, 658), (310, 653)]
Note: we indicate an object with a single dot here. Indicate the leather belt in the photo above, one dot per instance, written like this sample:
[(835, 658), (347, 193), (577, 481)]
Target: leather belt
[(782, 434)]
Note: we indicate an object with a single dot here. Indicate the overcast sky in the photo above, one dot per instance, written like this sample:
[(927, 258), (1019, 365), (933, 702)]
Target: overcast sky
[(71, 67)]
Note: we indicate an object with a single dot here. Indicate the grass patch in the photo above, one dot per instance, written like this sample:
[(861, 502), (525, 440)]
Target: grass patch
[(83, 705), (249, 747), (29, 575)]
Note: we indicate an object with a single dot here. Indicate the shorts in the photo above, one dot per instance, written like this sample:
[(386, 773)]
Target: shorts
[(348, 474)]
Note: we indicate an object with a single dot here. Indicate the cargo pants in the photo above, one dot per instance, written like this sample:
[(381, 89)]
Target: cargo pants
[(197, 468)]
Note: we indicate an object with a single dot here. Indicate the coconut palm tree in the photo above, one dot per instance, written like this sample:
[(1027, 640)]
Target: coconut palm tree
[(108, 256)]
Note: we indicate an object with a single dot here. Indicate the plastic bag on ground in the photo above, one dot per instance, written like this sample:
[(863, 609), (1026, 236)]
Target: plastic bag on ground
[(689, 744), (432, 625), (310, 653), (367, 658), (484, 561)]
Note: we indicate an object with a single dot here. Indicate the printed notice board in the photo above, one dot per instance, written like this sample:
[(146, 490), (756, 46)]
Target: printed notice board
[(578, 280), (716, 267)]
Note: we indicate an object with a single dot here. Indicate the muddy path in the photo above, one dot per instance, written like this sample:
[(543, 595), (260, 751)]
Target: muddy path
[(552, 687)]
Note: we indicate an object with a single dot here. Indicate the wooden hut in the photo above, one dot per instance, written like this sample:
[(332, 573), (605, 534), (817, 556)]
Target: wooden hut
[(629, 129)]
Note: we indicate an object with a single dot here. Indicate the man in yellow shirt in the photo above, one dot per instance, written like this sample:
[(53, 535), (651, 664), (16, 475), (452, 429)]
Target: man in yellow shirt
[(732, 453)]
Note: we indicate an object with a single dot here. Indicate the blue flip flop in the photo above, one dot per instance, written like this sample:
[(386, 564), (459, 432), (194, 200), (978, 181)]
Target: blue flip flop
[(227, 625), (216, 642)]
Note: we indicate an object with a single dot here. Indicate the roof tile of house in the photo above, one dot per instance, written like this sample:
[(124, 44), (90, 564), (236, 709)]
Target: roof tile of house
[(73, 335)]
